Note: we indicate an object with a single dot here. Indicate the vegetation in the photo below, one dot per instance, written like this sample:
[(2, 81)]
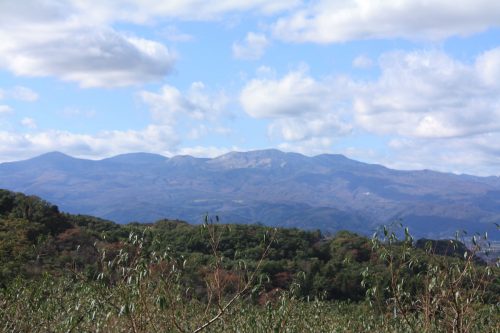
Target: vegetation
[(73, 273)]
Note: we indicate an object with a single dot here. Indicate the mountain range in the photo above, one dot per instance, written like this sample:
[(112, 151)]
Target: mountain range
[(327, 192)]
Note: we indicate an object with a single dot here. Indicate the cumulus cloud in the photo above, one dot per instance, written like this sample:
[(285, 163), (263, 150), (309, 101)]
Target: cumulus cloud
[(328, 21), (303, 110), (196, 103), (91, 58), (294, 94), (194, 113), (252, 48), (56, 39), (430, 95)]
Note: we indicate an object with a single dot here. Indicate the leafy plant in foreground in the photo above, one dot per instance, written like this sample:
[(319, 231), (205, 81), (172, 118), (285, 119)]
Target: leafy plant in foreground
[(429, 292)]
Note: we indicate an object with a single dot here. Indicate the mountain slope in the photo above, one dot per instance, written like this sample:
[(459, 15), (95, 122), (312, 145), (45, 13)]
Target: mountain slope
[(329, 192)]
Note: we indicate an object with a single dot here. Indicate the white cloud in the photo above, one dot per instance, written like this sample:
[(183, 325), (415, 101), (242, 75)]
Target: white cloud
[(430, 95), (252, 48), (100, 58), (196, 103), (303, 110), (327, 21), (56, 39), (29, 123), (362, 62), (5, 109), (195, 113), (294, 94)]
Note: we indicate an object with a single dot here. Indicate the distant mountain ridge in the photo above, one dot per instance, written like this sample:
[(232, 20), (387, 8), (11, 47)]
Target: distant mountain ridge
[(328, 192)]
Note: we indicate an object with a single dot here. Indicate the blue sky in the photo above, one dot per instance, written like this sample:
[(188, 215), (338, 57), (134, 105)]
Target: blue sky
[(409, 84)]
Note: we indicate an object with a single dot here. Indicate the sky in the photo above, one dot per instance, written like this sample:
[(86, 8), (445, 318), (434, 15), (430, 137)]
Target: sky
[(410, 84)]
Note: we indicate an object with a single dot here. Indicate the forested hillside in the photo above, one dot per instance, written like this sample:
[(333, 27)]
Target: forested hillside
[(155, 275)]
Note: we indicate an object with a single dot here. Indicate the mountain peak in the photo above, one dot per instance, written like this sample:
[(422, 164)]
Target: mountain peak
[(253, 153), (185, 161), (52, 160), (54, 154), (137, 158), (267, 158)]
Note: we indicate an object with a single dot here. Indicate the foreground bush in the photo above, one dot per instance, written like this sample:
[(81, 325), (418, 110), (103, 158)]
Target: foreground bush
[(143, 287), (65, 305)]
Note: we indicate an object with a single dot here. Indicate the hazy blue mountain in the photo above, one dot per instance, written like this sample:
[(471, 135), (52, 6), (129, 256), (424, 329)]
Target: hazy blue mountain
[(328, 192)]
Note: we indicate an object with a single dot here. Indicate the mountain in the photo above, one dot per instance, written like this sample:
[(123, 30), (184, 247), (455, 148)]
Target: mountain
[(327, 192)]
